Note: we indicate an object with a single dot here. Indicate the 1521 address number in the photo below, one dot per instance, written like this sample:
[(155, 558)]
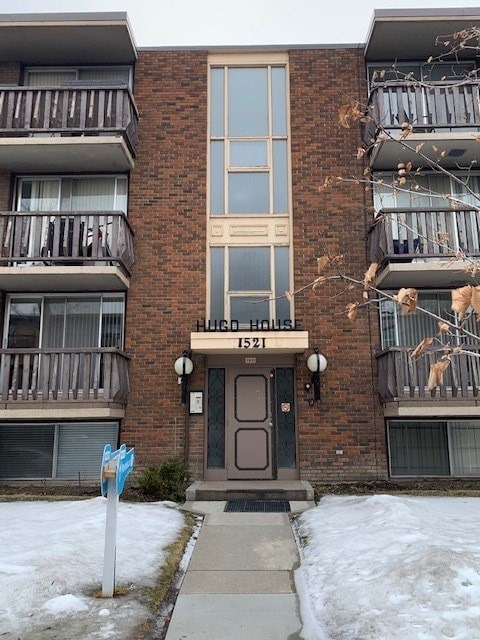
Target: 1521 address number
[(251, 343)]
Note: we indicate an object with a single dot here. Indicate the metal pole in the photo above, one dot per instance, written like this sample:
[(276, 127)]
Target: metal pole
[(109, 558)]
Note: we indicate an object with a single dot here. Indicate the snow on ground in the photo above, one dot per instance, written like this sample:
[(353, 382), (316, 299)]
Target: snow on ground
[(390, 568), (51, 560)]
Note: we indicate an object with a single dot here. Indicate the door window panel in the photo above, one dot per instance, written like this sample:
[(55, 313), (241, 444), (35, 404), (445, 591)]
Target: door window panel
[(216, 419)]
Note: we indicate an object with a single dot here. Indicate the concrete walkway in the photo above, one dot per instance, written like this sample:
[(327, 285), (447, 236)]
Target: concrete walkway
[(239, 584)]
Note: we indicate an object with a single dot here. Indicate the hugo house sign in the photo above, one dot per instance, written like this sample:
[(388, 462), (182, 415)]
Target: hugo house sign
[(253, 325)]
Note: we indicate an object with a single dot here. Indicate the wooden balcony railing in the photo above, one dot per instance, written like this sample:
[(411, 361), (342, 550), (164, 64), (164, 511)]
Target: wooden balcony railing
[(400, 378), (440, 106), (69, 110), (408, 234), (64, 375), (66, 238)]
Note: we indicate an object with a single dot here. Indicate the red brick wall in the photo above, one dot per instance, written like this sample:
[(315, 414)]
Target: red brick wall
[(10, 72), (332, 222), (167, 209)]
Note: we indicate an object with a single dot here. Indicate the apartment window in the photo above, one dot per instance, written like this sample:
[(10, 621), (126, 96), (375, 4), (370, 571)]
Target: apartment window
[(62, 193), (49, 450), (248, 140), (68, 76), (409, 330), (427, 72), (425, 190), (434, 448), (57, 321), (249, 283)]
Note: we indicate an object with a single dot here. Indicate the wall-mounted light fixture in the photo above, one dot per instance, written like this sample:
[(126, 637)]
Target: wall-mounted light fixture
[(316, 363), (183, 368)]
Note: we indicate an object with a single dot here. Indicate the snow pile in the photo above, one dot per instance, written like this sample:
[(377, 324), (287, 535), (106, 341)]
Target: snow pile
[(391, 568), (51, 560)]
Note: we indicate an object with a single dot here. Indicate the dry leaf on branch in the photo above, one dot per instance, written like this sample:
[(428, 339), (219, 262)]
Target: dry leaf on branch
[(289, 296), (352, 311), (436, 373), (317, 282), (407, 299), (329, 180), (370, 275), (421, 348), (407, 129), (461, 298), (322, 263), (443, 327), (472, 268), (475, 301), (360, 153), (348, 114), (443, 237), (419, 147)]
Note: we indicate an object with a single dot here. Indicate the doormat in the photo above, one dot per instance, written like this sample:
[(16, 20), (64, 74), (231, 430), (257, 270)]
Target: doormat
[(258, 506)]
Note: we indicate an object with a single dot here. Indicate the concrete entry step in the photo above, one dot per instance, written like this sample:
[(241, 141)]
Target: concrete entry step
[(250, 490)]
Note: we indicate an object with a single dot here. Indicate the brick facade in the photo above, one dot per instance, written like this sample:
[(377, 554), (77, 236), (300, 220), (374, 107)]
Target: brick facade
[(167, 208)]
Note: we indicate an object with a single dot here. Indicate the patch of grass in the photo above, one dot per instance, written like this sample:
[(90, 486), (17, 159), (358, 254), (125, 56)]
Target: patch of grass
[(120, 590), (418, 487), (155, 595)]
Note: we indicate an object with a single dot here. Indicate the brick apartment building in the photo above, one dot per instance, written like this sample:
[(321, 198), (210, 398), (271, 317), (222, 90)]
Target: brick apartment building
[(157, 202)]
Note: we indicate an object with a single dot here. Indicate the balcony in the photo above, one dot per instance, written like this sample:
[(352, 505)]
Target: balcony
[(425, 247), (88, 375), (446, 117), (65, 251), (67, 129), (405, 382)]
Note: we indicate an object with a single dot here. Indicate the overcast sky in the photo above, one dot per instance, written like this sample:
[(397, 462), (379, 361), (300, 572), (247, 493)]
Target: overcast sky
[(211, 22)]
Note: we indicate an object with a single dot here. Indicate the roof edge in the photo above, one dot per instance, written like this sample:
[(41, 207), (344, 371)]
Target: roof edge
[(218, 48), (92, 16)]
